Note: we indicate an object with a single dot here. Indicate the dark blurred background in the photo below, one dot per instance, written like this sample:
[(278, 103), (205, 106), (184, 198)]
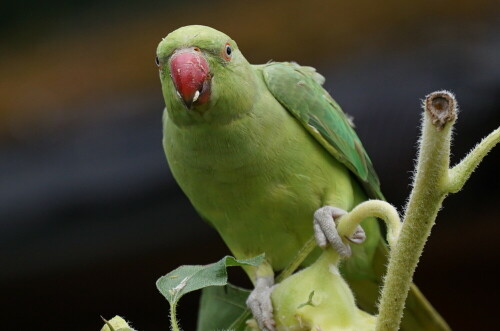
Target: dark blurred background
[(90, 215)]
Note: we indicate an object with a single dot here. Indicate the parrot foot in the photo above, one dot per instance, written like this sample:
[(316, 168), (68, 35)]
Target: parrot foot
[(259, 302), (325, 231)]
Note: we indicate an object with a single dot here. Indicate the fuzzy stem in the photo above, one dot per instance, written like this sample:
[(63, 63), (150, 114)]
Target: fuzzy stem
[(347, 225), (173, 317), (372, 208), (425, 200), (460, 173)]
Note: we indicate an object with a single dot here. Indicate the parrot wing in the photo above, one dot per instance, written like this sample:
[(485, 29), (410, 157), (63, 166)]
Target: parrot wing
[(299, 90)]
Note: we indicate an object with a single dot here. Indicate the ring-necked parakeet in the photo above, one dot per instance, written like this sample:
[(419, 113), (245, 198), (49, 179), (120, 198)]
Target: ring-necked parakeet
[(259, 148)]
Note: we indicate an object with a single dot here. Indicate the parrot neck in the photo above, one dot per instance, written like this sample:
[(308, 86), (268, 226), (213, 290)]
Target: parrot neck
[(223, 147), (234, 146)]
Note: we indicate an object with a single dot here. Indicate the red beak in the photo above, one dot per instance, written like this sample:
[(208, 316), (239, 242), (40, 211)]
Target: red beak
[(191, 76)]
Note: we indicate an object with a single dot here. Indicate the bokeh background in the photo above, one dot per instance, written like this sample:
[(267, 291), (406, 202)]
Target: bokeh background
[(90, 215)]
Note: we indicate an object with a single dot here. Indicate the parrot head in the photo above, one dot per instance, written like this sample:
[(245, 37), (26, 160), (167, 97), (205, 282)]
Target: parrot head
[(204, 76)]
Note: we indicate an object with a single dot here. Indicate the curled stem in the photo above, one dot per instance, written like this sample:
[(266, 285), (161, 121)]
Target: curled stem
[(347, 225), (432, 182), (372, 208)]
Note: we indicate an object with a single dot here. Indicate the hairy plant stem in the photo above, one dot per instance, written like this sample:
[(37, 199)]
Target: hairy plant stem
[(372, 208), (433, 181), (174, 325), (347, 226), (459, 174)]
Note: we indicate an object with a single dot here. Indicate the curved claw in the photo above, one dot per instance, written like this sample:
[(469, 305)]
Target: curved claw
[(259, 302), (326, 233), (359, 235)]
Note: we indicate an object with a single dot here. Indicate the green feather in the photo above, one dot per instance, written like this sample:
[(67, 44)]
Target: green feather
[(270, 148), (299, 90)]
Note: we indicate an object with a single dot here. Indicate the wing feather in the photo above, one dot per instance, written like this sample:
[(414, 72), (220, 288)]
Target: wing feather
[(299, 90)]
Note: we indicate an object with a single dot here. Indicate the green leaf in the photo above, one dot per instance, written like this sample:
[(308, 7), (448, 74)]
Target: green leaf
[(221, 306), (117, 323), (190, 278)]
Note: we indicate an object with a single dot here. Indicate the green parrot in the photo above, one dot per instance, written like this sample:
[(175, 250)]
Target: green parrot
[(258, 149)]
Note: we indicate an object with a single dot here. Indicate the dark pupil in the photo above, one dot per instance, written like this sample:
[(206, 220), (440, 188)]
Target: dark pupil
[(157, 61), (228, 50)]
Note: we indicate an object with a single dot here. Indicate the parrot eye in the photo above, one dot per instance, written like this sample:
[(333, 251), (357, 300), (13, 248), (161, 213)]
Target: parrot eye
[(157, 61), (227, 52)]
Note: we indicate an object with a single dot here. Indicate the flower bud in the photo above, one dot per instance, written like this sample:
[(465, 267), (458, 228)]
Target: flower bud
[(318, 298)]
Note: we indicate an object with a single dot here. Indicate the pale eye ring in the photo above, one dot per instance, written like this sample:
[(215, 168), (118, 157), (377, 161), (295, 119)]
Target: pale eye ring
[(228, 52), (157, 61)]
